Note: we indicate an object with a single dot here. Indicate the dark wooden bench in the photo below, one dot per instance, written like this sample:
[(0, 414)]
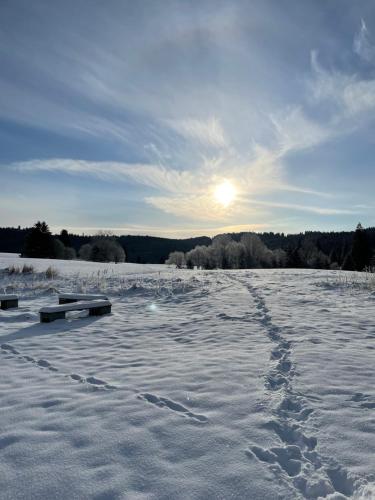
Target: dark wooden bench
[(95, 308), (68, 298), (8, 301)]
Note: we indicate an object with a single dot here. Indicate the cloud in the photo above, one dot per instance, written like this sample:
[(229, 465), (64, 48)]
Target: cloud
[(186, 191), (349, 97), (206, 132), (189, 194), (155, 176), (362, 45), (202, 206), (296, 132), (306, 208)]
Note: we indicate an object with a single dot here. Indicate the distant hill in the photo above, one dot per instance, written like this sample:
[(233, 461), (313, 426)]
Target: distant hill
[(155, 250)]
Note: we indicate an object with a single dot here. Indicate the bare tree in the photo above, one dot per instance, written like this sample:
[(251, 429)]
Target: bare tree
[(103, 249), (235, 255), (176, 258)]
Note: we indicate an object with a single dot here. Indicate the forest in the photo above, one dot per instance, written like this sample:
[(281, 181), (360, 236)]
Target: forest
[(348, 250)]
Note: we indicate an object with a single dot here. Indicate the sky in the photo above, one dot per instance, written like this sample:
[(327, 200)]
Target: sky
[(127, 116)]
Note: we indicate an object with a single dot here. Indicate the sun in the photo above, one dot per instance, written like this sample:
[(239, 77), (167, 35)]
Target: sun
[(225, 193)]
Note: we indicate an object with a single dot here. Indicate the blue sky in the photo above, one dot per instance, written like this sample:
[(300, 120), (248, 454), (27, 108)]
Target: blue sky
[(127, 115)]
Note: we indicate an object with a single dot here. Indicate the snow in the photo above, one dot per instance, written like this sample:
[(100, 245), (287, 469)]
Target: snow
[(200, 385), (8, 297), (89, 304), (81, 296)]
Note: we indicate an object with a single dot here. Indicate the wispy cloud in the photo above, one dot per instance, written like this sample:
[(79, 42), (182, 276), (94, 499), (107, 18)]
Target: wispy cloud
[(155, 176), (362, 44), (206, 132), (189, 194), (307, 208), (296, 132), (349, 97)]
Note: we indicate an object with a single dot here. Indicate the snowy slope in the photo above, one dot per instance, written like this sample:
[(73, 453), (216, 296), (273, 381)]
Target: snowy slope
[(200, 385)]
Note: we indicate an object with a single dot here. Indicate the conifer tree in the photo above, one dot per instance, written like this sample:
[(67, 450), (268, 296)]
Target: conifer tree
[(361, 250), (39, 242)]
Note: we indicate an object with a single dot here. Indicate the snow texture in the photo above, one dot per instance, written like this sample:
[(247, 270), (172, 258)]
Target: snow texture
[(81, 296), (253, 384), (88, 304), (8, 297)]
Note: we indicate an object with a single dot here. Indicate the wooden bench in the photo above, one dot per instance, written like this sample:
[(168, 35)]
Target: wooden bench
[(8, 301), (68, 298), (95, 308)]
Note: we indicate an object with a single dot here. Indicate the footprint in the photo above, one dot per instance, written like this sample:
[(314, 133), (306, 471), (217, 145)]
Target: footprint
[(262, 454), (341, 481), (50, 403), (290, 405), (359, 396), (7, 347), (45, 364), (284, 366), (277, 354), (172, 405), (276, 381), (292, 434), (95, 381), (368, 405), (289, 458), (6, 441)]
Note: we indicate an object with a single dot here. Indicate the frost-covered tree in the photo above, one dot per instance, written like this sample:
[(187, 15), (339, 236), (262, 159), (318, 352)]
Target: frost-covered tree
[(177, 259), (279, 258), (256, 252), (85, 251), (58, 249), (69, 253), (102, 249), (198, 257), (235, 255), (311, 255), (107, 250), (218, 250)]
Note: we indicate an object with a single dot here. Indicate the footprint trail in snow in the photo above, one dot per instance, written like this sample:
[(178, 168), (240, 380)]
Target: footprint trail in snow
[(295, 458)]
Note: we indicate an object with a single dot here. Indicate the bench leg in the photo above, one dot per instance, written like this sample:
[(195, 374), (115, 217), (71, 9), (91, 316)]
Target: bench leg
[(99, 311), (8, 304), (49, 317)]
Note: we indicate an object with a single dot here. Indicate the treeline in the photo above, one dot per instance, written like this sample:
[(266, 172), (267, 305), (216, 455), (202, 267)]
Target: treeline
[(236, 250), (139, 249), (250, 251), (40, 243)]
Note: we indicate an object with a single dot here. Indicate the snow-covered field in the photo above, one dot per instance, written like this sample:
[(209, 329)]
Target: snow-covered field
[(199, 385)]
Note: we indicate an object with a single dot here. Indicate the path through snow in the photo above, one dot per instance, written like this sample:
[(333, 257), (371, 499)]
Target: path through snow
[(200, 385)]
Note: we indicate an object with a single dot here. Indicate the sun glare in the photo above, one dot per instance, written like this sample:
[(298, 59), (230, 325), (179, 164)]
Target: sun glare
[(225, 193)]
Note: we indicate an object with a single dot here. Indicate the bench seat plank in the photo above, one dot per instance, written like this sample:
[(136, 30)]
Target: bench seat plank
[(8, 297), (67, 298), (76, 306), (95, 308)]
